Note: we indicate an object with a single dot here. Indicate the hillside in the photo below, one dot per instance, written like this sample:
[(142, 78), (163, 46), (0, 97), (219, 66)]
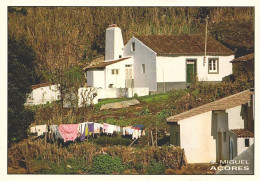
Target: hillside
[(63, 37)]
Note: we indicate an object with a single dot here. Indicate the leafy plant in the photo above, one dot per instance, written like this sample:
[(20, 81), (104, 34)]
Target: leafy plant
[(105, 164), (155, 168)]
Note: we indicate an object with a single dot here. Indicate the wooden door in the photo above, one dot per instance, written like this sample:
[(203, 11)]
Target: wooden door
[(191, 70)]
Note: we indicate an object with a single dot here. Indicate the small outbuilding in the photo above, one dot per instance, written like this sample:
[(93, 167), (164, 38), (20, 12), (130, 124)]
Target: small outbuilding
[(244, 64), (216, 131)]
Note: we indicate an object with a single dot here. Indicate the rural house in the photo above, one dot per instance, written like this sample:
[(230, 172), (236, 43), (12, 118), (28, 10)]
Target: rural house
[(156, 63), (219, 130), (244, 64), (43, 93)]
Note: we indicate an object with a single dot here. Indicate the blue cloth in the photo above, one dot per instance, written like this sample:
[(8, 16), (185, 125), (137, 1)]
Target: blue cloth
[(139, 126), (91, 127)]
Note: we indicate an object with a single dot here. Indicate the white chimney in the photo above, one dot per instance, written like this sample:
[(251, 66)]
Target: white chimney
[(114, 43)]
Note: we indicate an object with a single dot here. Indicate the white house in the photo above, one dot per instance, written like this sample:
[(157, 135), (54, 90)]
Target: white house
[(43, 93), (219, 130), (158, 63)]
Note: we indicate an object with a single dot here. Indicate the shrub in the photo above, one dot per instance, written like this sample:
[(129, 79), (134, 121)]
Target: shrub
[(155, 168), (105, 164)]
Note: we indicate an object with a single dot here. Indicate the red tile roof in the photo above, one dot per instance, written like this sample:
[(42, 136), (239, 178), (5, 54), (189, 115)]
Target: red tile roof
[(41, 85), (104, 64), (243, 133), (246, 58), (184, 45), (222, 104)]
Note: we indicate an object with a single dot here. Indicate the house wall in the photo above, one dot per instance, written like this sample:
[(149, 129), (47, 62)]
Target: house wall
[(118, 81), (196, 138), (95, 78), (235, 120), (241, 144), (171, 70), (42, 95), (142, 55), (171, 73)]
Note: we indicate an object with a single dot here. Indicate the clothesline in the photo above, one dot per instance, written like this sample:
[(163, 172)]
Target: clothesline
[(70, 132)]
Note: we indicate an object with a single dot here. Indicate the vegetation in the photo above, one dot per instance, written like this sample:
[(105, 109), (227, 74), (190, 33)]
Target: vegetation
[(21, 75)]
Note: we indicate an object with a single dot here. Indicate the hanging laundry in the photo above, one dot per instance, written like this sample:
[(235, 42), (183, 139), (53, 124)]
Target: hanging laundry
[(55, 131), (135, 134), (69, 132), (41, 129), (97, 127), (124, 129), (110, 129), (91, 127), (86, 130), (129, 130), (83, 134), (105, 127), (139, 126)]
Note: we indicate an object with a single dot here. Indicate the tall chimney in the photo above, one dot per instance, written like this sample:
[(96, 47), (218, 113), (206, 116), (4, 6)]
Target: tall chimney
[(114, 43)]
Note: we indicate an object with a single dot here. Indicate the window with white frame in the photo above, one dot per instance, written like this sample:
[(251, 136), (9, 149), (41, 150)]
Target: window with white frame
[(114, 71), (213, 65), (143, 68)]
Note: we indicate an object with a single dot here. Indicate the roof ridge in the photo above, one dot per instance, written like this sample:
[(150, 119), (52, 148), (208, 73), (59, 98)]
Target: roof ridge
[(208, 105)]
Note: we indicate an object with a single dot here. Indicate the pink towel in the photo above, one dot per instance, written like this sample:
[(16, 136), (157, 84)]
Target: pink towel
[(69, 132)]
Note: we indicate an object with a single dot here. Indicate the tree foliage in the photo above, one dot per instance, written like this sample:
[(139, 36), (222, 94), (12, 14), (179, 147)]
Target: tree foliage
[(20, 78)]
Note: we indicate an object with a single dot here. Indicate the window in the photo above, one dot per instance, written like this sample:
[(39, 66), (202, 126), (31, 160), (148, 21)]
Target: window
[(128, 65), (213, 65), (225, 136), (120, 56), (143, 68), (133, 46), (247, 142), (114, 71)]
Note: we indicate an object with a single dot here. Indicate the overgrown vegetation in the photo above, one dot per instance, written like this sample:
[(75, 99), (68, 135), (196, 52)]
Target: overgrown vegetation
[(88, 158)]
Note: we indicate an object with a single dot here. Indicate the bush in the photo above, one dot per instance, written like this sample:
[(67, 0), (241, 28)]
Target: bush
[(105, 164), (109, 141), (155, 168)]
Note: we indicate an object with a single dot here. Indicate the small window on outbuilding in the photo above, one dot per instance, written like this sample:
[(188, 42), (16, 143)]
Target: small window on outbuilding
[(120, 56), (133, 46), (246, 142), (143, 68)]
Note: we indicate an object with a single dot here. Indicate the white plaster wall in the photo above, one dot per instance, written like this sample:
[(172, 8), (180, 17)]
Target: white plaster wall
[(173, 69), (196, 139), (241, 144), (170, 69), (114, 44), (225, 68), (142, 55), (43, 95), (140, 91), (98, 76), (85, 95), (235, 120), (118, 81)]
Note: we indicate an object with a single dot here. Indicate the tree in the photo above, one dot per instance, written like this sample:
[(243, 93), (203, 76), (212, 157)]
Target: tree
[(20, 78)]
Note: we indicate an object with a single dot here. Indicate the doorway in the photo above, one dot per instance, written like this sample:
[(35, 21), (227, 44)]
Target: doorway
[(129, 81), (219, 146), (191, 70)]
